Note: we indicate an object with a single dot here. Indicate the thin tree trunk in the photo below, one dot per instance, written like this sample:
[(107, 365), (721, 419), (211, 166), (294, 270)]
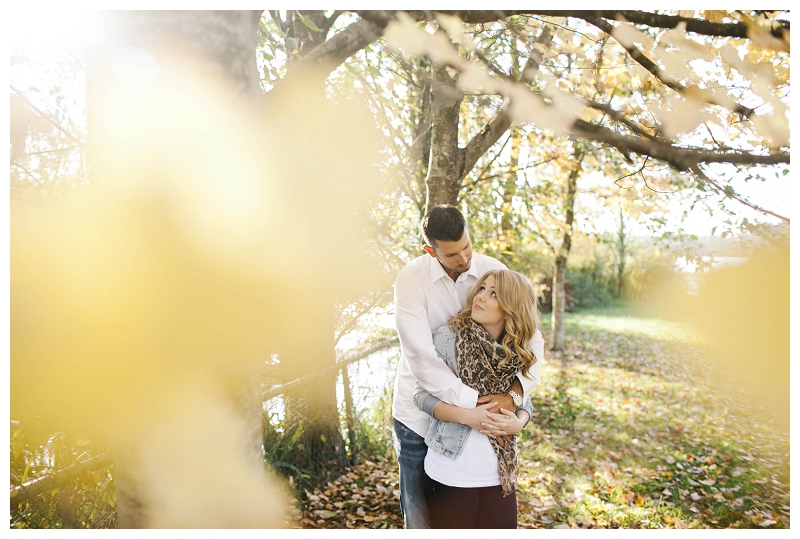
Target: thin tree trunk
[(560, 269), (622, 247), (508, 234)]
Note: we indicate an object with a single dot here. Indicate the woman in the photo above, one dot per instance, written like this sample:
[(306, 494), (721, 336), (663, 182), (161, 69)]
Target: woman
[(472, 471)]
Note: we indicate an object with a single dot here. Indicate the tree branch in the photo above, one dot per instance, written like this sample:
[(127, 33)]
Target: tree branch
[(697, 26), (650, 66), (731, 194), (327, 56), (492, 132), (680, 158), (46, 117)]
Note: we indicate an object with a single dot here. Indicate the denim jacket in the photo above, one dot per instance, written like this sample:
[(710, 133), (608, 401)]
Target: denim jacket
[(445, 437)]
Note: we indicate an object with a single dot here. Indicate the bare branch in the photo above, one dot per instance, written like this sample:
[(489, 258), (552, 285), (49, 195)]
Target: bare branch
[(731, 194), (618, 117), (276, 16), (327, 56), (46, 117), (697, 26), (492, 132), (650, 66), (679, 157)]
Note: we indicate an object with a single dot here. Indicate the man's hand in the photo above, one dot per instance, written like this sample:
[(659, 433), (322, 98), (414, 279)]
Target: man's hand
[(503, 400)]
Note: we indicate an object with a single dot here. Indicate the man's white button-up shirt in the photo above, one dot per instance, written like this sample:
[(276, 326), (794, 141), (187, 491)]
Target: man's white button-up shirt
[(426, 298)]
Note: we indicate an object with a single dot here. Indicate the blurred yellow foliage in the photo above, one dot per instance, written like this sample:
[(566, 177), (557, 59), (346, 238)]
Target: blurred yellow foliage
[(742, 312), (216, 233)]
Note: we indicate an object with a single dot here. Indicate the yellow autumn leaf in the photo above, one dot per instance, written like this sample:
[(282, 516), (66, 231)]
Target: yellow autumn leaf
[(714, 15)]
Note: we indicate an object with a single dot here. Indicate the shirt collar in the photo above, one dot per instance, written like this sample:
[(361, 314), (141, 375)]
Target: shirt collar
[(437, 271)]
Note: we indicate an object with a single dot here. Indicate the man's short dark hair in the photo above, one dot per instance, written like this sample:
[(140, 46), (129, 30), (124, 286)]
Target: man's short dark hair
[(443, 223)]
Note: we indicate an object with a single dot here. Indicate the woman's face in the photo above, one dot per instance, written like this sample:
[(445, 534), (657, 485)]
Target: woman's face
[(486, 310)]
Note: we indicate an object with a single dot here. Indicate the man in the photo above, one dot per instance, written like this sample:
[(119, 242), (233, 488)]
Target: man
[(429, 291)]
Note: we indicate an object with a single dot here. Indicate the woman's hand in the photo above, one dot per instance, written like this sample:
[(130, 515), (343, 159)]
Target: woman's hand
[(472, 417), (506, 423), (475, 417)]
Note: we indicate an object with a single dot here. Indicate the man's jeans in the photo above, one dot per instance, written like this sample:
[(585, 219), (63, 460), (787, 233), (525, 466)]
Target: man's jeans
[(411, 450)]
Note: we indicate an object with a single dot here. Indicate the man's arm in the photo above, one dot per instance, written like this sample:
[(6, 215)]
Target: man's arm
[(431, 372)]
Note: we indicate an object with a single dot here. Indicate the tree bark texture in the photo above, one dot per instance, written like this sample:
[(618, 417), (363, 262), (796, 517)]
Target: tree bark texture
[(421, 146), (560, 267), (446, 164)]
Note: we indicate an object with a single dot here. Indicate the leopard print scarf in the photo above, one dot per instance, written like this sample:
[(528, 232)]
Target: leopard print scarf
[(478, 359)]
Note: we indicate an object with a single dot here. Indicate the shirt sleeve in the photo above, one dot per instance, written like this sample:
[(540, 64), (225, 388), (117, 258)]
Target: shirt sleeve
[(425, 401), (532, 379), (416, 340)]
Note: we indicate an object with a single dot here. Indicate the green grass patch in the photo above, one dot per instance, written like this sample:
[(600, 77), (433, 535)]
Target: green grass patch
[(632, 429)]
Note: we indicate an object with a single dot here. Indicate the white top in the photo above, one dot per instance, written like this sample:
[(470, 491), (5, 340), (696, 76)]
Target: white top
[(426, 299), (475, 467)]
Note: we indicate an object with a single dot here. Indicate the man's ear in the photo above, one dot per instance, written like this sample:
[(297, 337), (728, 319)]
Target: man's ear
[(429, 250)]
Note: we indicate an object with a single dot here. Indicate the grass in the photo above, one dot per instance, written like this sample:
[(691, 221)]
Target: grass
[(633, 429)]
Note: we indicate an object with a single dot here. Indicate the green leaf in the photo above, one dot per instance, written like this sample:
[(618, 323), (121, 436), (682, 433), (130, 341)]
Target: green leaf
[(308, 22)]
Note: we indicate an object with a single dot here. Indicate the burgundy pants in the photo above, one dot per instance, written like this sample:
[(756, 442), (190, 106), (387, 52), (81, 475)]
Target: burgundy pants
[(479, 507)]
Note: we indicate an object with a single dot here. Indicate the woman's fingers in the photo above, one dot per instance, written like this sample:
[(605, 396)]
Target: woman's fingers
[(504, 415)]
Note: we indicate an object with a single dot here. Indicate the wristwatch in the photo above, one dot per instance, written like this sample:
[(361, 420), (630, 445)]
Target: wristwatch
[(516, 397)]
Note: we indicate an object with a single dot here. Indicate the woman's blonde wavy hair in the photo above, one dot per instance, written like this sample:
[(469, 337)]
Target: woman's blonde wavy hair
[(518, 300)]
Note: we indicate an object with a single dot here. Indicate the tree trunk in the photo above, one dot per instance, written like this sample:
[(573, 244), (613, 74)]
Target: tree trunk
[(559, 300), (445, 167), (421, 146), (622, 252), (508, 231), (560, 269), (217, 45), (312, 414), (312, 423), (225, 39)]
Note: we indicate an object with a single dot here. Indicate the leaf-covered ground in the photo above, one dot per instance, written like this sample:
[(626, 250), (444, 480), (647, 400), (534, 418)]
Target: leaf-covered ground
[(634, 428)]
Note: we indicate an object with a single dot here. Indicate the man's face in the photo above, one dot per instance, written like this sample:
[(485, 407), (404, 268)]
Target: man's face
[(454, 256)]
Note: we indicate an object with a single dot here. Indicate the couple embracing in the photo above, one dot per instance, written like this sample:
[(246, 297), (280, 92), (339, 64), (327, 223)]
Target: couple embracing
[(471, 353)]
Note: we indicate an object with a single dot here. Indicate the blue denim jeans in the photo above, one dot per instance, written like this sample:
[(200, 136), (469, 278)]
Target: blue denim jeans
[(411, 450)]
